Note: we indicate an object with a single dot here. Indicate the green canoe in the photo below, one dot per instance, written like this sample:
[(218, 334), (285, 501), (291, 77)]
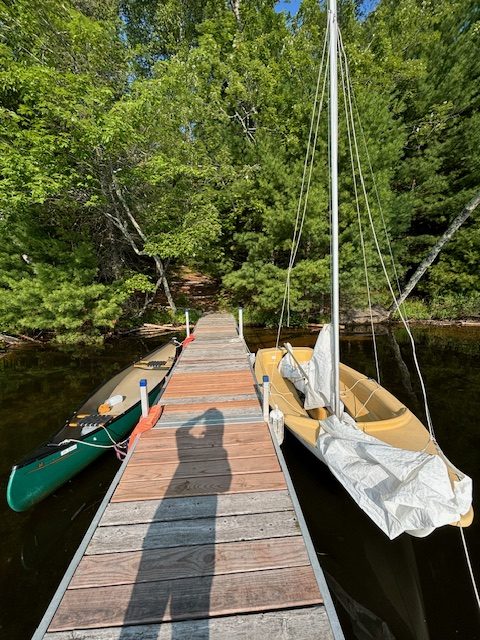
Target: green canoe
[(94, 423)]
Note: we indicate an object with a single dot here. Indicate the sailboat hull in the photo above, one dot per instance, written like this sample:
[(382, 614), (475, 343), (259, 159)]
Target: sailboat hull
[(375, 410)]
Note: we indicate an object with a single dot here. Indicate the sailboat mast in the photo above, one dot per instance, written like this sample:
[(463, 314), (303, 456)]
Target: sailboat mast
[(333, 113)]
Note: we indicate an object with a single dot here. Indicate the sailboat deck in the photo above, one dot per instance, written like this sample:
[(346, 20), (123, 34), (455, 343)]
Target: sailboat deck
[(202, 536)]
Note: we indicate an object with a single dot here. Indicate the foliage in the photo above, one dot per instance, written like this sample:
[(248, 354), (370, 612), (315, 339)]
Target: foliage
[(137, 137)]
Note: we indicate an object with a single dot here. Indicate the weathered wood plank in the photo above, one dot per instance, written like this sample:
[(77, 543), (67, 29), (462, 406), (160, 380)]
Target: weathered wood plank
[(196, 455), (209, 398), (202, 355), (210, 485), (219, 386), (209, 378), (214, 389), (199, 427), (185, 469), (178, 533), (220, 405), (187, 598), (309, 623), (209, 367), (187, 562), (211, 339), (254, 437), (207, 354), (184, 419), (234, 415), (198, 507)]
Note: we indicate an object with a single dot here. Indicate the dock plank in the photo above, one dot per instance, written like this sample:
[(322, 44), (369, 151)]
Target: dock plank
[(219, 405), (309, 623), (255, 438), (190, 561), (197, 507), (210, 485), (166, 456), (187, 598), (208, 530), (208, 467)]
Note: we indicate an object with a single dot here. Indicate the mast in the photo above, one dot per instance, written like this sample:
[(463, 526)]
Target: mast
[(333, 112)]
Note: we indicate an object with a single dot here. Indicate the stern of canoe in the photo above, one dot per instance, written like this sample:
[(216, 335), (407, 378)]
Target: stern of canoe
[(31, 482)]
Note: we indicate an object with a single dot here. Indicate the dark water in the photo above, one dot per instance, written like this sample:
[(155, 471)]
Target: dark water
[(39, 388), (409, 588), (406, 589)]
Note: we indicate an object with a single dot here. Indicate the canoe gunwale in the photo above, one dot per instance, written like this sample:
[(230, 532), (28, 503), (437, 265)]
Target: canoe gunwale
[(49, 446)]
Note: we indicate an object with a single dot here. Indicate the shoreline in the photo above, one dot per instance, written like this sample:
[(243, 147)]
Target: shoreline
[(150, 330)]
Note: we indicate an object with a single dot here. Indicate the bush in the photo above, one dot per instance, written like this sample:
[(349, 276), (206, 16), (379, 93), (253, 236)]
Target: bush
[(456, 306), (415, 309)]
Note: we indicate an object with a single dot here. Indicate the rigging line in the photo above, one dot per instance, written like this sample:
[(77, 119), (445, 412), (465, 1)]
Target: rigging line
[(380, 208), (309, 144), (364, 405), (382, 262), (469, 565), (305, 166), (309, 181), (307, 155), (387, 237), (357, 204)]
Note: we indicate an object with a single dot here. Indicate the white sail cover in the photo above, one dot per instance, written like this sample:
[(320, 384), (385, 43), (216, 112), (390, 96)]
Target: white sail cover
[(400, 490), (318, 390)]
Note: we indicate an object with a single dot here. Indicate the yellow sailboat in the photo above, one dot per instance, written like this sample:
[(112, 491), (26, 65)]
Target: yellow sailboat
[(379, 450), (376, 412)]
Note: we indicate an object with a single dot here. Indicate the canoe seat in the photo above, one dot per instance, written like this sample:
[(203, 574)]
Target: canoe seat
[(153, 364), (94, 420)]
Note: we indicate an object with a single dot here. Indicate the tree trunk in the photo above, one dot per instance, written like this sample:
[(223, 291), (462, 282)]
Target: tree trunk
[(158, 262), (427, 261), (235, 7), (113, 193)]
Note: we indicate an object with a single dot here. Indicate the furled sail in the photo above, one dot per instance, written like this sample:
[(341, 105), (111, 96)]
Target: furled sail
[(312, 378), (402, 491)]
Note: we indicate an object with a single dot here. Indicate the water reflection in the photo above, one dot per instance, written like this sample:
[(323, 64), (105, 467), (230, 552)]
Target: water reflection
[(39, 388), (414, 588), (401, 583)]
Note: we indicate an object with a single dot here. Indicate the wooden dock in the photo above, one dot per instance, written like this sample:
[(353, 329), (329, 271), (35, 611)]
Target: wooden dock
[(199, 537)]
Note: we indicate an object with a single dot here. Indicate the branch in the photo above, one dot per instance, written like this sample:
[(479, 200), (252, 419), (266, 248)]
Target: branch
[(162, 278), (427, 261), (235, 7)]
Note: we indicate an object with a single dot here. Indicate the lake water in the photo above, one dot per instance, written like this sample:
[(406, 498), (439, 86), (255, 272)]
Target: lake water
[(406, 589)]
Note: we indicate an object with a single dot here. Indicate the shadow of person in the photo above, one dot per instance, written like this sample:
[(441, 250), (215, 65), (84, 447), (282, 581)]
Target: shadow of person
[(177, 566)]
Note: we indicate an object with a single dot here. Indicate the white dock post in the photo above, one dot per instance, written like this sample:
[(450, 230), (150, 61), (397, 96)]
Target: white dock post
[(144, 397), (266, 398), (187, 321), (240, 322)]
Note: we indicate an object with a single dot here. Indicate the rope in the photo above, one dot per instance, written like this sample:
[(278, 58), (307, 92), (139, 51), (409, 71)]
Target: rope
[(359, 218), (364, 405), (380, 208), (349, 389), (309, 155), (97, 446), (382, 262), (91, 444), (469, 565)]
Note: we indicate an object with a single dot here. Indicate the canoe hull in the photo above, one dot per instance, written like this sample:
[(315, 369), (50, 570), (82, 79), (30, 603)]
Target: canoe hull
[(31, 483)]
